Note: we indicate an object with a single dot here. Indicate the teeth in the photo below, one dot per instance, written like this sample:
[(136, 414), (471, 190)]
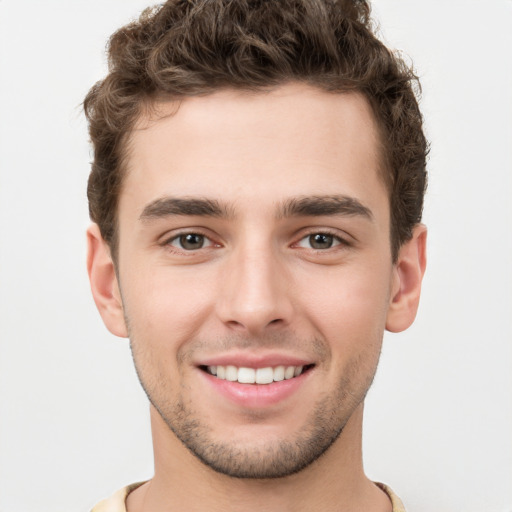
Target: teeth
[(278, 373), (255, 376), (289, 372), (264, 375), (247, 375), (231, 373)]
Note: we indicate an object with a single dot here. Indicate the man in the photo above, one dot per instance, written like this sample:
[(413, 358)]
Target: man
[(256, 193)]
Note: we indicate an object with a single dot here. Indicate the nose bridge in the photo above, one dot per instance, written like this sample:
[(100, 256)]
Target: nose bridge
[(256, 292)]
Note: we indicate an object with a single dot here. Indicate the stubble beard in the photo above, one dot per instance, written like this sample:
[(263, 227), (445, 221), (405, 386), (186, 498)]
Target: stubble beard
[(273, 459)]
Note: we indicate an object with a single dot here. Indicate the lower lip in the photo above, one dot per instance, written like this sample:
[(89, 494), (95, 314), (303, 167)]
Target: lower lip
[(256, 395)]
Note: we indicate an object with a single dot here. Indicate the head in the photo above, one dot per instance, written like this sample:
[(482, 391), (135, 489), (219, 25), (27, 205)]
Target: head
[(256, 189), (193, 48)]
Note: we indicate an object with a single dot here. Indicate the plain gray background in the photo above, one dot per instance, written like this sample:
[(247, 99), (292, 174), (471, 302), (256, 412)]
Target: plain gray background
[(74, 424)]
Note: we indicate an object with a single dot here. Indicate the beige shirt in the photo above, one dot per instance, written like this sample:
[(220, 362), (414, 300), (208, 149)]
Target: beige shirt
[(117, 502)]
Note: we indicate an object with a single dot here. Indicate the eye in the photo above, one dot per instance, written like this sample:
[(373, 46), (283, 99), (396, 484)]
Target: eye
[(319, 241), (190, 241)]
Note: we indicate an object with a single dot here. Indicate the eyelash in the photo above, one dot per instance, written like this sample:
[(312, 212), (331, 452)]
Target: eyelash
[(337, 241), (168, 242)]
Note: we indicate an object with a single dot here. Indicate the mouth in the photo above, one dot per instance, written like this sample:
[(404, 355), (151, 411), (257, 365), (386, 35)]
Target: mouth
[(265, 375)]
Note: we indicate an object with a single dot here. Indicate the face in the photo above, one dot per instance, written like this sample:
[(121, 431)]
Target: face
[(255, 272)]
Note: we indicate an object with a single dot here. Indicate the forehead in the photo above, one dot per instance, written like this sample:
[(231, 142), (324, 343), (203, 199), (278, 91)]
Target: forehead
[(236, 147)]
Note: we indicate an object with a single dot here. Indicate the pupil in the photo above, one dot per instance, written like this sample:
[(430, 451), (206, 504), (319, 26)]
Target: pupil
[(321, 241), (191, 241)]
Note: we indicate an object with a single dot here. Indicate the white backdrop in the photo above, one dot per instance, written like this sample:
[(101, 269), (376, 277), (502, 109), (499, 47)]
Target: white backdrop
[(74, 424)]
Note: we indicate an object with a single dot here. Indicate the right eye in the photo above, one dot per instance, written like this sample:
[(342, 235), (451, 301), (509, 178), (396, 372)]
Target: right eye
[(190, 241)]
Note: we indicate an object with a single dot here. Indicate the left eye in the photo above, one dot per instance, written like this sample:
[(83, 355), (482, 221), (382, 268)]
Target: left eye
[(319, 241), (190, 241)]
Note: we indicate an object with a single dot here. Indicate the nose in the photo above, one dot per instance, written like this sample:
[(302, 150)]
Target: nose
[(256, 292)]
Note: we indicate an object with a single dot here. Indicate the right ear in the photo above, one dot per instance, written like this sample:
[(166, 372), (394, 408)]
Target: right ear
[(104, 285)]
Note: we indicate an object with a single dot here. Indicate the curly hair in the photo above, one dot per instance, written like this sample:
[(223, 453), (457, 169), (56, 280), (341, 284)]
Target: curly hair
[(195, 47)]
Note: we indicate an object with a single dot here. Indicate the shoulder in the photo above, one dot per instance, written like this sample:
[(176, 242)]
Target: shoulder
[(116, 502), (398, 506)]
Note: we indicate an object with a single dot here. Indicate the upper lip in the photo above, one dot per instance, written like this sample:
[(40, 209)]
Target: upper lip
[(245, 360)]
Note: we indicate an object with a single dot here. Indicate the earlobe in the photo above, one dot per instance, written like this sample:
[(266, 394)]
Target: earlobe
[(104, 285), (406, 287)]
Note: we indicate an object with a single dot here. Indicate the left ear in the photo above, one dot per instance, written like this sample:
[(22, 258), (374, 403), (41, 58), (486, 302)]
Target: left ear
[(406, 287)]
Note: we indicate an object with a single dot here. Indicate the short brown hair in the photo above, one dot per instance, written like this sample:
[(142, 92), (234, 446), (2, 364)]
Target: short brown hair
[(193, 47)]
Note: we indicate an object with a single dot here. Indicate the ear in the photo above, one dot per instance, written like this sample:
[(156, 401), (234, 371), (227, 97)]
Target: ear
[(406, 286), (104, 285)]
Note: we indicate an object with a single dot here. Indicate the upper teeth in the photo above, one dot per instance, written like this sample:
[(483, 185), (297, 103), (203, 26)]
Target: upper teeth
[(255, 375)]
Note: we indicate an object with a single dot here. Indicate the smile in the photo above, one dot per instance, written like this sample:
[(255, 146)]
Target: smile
[(265, 375)]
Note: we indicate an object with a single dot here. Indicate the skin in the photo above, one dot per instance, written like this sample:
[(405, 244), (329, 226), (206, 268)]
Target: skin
[(260, 286)]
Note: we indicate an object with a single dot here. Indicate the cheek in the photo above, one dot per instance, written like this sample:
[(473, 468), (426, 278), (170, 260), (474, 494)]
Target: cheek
[(351, 307), (164, 307)]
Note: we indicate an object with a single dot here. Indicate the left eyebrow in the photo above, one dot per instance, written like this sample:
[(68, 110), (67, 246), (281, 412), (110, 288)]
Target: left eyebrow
[(316, 206)]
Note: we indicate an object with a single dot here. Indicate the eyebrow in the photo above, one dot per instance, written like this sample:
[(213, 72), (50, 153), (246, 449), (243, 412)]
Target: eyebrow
[(307, 206), (316, 206), (170, 206)]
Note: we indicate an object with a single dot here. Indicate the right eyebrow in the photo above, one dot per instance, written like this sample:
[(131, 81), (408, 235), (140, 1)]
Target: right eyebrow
[(171, 206)]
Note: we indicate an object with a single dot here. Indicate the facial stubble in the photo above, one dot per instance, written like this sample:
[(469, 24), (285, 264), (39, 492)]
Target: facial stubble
[(270, 458)]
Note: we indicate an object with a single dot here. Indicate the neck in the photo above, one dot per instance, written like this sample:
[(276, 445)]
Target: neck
[(334, 482)]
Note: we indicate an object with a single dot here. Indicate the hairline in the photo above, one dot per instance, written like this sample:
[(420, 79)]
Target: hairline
[(148, 106)]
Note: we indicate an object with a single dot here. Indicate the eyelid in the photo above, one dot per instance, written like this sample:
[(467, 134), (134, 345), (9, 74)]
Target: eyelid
[(336, 241), (169, 237), (339, 238), (208, 242)]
